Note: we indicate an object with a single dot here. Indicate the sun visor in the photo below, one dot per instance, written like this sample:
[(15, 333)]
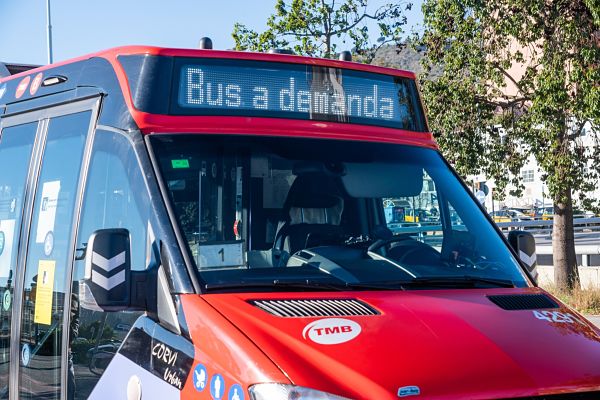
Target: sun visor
[(376, 180)]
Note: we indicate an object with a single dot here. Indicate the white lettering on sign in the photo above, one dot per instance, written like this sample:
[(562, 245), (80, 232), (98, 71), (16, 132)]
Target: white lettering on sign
[(331, 331), (164, 354), (173, 378), (289, 97)]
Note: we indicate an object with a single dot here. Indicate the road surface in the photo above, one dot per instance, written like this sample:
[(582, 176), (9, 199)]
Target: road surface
[(595, 319)]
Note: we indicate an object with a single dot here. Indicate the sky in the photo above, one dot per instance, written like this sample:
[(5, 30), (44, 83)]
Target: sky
[(83, 26)]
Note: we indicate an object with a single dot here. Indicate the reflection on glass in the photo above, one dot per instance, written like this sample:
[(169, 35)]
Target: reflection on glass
[(16, 144), (115, 197), (338, 213), (47, 257)]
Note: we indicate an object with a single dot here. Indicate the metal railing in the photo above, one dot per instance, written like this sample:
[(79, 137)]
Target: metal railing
[(545, 226), (587, 237)]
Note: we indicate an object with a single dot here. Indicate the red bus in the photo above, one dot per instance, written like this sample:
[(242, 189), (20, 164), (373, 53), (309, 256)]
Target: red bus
[(212, 224)]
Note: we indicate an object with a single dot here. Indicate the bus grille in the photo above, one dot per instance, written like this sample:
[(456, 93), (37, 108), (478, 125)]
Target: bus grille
[(523, 301), (315, 307)]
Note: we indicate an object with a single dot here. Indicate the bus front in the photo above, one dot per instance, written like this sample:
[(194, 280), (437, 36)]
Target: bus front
[(335, 253)]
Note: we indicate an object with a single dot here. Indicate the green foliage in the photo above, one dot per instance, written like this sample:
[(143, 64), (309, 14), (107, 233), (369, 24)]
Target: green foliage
[(543, 110), (530, 68), (318, 28)]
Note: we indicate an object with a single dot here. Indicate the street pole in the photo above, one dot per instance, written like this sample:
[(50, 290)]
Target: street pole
[(49, 32)]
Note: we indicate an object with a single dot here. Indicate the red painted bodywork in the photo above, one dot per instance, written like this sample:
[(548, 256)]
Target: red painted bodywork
[(453, 344), (224, 349)]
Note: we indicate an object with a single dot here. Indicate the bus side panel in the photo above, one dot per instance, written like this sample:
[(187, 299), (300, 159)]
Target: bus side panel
[(124, 376)]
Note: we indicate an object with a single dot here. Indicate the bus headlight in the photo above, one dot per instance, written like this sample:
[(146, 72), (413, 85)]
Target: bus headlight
[(279, 391)]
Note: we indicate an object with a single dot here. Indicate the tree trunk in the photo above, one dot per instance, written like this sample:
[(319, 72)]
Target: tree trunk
[(566, 274)]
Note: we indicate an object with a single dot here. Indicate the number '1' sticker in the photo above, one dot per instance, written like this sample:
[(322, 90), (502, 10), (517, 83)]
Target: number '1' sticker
[(223, 254)]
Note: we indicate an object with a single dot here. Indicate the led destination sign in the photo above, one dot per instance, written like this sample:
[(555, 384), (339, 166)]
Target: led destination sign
[(298, 91)]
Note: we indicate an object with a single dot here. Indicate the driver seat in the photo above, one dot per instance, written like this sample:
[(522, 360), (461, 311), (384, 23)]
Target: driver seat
[(313, 211)]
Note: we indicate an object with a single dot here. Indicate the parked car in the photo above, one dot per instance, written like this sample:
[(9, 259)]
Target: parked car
[(517, 215), (501, 216)]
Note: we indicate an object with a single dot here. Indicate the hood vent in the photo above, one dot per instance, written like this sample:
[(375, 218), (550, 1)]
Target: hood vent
[(523, 301), (315, 308)]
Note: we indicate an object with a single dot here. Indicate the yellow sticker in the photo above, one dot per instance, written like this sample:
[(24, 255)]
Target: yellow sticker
[(44, 292)]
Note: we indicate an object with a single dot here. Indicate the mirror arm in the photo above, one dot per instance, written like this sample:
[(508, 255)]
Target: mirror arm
[(150, 292), (143, 297)]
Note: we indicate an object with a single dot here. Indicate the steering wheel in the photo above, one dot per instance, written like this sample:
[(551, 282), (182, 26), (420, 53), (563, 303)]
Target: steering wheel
[(419, 247), (427, 252), (477, 263), (384, 242)]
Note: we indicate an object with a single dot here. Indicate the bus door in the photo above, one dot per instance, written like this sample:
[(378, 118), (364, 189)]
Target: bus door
[(16, 146), (42, 293)]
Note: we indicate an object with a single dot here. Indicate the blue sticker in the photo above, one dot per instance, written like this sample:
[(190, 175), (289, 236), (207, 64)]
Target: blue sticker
[(236, 392), (6, 300), (409, 391), (49, 243), (200, 377), (217, 387), (25, 354)]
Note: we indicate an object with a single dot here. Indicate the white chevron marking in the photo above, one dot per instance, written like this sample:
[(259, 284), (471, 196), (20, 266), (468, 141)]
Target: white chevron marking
[(529, 260), (110, 264), (108, 283)]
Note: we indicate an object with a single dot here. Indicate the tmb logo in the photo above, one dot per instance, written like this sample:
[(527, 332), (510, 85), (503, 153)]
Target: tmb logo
[(331, 331)]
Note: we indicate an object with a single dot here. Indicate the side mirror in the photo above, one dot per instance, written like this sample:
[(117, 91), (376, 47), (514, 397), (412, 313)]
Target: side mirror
[(523, 243), (109, 283)]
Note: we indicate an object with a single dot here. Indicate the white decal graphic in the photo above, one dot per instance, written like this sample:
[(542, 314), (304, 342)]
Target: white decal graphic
[(217, 387), (49, 244), (331, 331), (134, 388), (47, 211), (108, 264), (217, 393), (529, 260), (6, 300), (200, 377), (7, 227), (25, 354), (108, 283), (221, 255), (165, 354), (556, 316)]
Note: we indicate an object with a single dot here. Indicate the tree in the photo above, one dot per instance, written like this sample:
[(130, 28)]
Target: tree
[(533, 68), (317, 27)]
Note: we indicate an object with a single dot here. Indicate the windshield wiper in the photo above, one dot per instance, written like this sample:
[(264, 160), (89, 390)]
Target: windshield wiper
[(460, 280), (276, 283), (378, 285), (452, 281)]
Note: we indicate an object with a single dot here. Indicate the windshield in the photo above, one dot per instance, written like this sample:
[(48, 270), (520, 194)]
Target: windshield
[(265, 213)]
